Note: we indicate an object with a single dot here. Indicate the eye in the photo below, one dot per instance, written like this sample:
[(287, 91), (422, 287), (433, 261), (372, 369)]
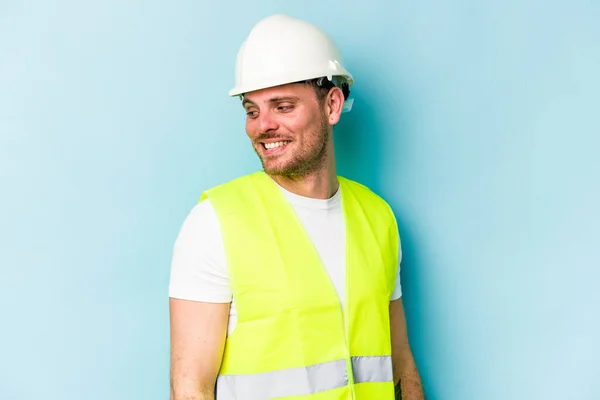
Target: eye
[(285, 107), (251, 113)]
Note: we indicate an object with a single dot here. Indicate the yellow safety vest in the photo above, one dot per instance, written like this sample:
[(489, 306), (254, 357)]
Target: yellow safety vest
[(293, 338)]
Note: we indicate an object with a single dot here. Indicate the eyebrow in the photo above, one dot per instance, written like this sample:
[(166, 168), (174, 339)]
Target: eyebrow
[(283, 98), (246, 101), (272, 100)]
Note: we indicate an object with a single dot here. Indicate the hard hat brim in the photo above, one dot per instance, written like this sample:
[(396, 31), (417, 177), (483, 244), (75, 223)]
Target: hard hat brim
[(243, 89)]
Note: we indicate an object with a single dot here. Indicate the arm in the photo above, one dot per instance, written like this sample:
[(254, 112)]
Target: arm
[(198, 332), (405, 369), (200, 297)]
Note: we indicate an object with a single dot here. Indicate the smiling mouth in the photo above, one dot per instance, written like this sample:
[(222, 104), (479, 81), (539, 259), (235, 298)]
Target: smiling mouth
[(275, 145)]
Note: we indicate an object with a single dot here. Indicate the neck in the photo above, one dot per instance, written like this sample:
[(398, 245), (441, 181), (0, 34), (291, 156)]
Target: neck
[(320, 184)]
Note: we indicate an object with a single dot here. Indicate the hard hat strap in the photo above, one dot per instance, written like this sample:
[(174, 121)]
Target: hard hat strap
[(336, 81)]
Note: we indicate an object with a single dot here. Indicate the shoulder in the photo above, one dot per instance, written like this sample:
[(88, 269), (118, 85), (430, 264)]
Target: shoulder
[(203, 212), (230, 194), (198, 265), (201, 222), (371, 204), (365, 193)]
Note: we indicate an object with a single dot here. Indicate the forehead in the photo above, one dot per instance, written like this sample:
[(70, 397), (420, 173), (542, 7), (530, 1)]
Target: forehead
[(299, 91)]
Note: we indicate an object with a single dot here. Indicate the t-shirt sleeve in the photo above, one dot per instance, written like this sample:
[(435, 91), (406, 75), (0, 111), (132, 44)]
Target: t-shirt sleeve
[(198, 264), (397, 293)]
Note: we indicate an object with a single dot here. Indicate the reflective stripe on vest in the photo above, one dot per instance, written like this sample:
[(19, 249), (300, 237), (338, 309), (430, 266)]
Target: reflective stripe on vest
[(303, 381)]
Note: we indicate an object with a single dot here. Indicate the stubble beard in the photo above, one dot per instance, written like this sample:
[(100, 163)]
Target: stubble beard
[(306, 161)]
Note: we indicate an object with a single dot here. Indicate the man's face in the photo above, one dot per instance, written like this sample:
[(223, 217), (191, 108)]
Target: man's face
[(288, 129)]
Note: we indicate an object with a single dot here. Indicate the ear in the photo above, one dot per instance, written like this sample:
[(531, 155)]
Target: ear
[(333, 105)]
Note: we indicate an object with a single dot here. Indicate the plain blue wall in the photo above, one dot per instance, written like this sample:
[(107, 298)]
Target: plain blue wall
[(478, 121)]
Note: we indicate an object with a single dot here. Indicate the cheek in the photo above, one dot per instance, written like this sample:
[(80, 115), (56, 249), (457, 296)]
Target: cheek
[(308, 130), (297, 127), (250, 129)]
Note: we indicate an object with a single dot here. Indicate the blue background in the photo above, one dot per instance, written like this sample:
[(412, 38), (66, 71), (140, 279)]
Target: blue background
[(477, 121)]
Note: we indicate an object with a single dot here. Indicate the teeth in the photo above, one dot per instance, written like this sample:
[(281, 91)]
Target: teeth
[(274, 145)]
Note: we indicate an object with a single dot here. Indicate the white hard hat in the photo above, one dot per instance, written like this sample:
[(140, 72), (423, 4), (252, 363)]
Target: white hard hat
[(280, 50)]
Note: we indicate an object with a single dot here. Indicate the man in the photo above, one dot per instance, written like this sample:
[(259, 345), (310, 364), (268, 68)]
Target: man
[(285, 282)]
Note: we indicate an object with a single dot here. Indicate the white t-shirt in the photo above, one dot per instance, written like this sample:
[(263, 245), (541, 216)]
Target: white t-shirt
[(199, 270)]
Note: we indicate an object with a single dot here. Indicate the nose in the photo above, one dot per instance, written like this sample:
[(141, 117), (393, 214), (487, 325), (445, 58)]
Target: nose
[(267, 122)]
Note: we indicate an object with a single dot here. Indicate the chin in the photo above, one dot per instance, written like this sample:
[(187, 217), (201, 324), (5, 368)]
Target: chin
[(274, 164), (276, 169)]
